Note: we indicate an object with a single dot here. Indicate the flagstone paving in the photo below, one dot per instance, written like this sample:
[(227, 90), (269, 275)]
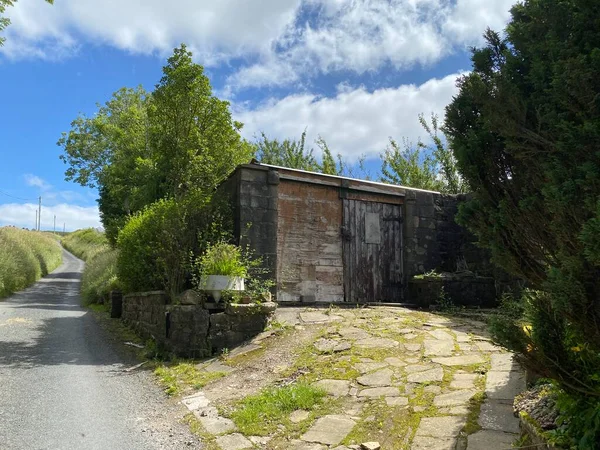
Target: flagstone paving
[(401, 378)]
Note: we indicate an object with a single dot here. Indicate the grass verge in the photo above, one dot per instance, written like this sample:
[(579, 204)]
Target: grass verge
[(25, 257), (100, 274)]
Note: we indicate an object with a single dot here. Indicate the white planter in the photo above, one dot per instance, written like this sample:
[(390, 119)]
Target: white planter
[(214, 284)]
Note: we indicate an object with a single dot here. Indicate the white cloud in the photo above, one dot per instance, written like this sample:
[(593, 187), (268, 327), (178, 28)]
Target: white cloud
[(74, 217), (281, 41), (50, 194), (35, 181), (356, 121), (215, 29), (367, 35)]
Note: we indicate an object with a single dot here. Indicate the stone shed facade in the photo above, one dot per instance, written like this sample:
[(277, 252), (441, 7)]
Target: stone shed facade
[(335, 239)]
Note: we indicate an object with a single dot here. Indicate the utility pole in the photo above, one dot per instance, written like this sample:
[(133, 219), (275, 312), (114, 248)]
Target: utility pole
[(36, 221), (63, 228), (54, 223), (40, 214)]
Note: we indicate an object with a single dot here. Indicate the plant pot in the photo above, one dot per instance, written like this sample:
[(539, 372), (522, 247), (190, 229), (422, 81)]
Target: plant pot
[(214, 284)]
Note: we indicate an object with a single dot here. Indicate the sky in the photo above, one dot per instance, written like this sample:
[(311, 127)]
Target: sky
[(355, 72)]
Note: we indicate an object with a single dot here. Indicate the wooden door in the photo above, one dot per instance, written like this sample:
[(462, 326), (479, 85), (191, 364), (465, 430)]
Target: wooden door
[(372, 252)]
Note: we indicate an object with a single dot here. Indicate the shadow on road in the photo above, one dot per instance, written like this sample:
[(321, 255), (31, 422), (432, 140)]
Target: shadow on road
[(64, 275), (75, 339)]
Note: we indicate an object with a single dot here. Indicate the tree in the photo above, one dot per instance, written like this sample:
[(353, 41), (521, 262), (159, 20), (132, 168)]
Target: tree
[(452, 182), (288, 153), (111, 151), (407, 166), (5, 21), (422, 166), (294, 155), (196, 144), (525, 131), (178, 141)]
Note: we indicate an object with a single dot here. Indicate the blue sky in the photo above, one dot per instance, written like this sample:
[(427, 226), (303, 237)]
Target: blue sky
[(353, 71)]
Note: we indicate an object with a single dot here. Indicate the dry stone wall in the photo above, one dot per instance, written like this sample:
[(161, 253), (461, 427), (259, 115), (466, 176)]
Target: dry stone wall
[(192, 328)]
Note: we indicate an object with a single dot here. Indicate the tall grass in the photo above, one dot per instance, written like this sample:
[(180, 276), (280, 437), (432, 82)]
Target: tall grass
[(86, 243), (25, 256), (100, 273)]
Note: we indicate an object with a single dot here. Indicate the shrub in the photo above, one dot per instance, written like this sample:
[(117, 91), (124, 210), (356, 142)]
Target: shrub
[(552, 347), (26, 256), (156, 246)]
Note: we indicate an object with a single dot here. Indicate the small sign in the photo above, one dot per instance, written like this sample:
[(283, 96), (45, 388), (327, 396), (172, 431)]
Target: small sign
[(372, 228)]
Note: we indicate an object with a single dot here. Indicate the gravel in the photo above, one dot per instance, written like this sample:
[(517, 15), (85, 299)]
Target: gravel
[(540, 404)]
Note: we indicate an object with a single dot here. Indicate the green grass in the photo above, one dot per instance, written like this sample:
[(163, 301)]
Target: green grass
[(85, 244), (100, 274), (25, 256), (100, 277), (183, 376), (260, 414)]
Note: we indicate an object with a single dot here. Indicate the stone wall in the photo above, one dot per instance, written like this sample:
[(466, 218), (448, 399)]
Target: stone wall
[(256, 216), (145, 313), (469, 291), (433, 239), (309, 252), (193, 330), (237, 324)]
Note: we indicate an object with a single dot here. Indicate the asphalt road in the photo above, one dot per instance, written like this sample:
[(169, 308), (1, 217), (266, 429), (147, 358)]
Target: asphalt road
[(62, 382)]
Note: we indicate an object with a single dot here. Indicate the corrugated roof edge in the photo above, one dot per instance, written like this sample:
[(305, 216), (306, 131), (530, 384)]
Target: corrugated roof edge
[(256, 165)]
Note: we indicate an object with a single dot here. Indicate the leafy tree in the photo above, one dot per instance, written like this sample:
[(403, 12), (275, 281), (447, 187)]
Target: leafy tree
[(5, 21), (407, 166), (288, 153), (422, 166), (525, 131), (177, 141), (452, 182), (111, 151), (295, 155), (196, 144), (329, 165)]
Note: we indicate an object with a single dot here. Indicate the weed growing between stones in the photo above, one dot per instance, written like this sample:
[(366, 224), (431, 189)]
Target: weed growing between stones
[(180, 376), (261, 414)]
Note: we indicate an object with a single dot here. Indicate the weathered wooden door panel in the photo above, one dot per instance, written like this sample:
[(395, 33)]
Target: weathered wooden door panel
[(372, 251)]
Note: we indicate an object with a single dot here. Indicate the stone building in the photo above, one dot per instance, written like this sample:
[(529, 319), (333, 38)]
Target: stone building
[(335, 239)]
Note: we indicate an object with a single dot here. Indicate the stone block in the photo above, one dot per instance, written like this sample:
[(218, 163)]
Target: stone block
[(273, 177), (487, 439), (248, 324), (189, 297), (441, 427), (504, 385), (498, 416), (253, 175), (220, 321), (329, 430)]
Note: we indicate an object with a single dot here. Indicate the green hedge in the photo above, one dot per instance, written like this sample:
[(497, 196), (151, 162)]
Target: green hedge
[(156, 246), (25, 257)]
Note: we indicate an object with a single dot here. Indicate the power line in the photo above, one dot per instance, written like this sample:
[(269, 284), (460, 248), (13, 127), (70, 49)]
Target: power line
[(15, 197)]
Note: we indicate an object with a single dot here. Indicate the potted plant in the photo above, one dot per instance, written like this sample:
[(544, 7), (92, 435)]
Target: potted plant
[(222, 268)]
